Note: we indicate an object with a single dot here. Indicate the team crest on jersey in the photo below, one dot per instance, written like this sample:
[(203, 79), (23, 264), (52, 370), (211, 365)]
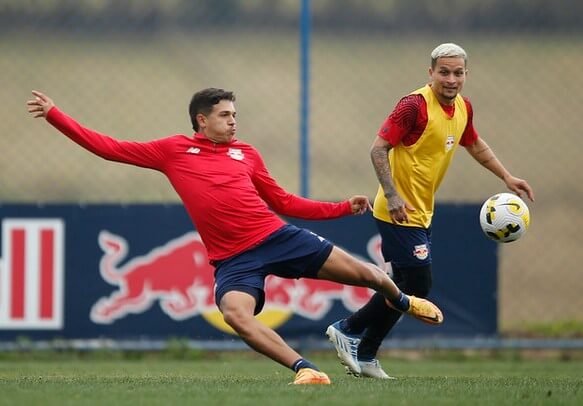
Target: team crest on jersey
[(421, 251), (236, 154), (449, 142)]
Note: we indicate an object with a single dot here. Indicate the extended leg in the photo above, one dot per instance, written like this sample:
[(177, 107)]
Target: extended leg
[(342, 267)]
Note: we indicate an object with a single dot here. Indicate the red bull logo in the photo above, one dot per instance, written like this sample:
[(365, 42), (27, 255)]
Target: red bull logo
[(178, 276)]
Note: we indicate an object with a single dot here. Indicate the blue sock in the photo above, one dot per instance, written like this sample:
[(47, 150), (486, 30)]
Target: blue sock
[(302, 363), (401, 303)]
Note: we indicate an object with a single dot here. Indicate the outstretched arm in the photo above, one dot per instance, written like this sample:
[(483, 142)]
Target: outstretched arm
[(289, 204), (482, 153), (145, 154)]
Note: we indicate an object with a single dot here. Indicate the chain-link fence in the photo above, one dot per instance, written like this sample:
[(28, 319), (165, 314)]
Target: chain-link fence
[(129, 68)]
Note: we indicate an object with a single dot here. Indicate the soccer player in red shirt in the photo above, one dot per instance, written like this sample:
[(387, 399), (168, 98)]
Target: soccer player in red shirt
[(410, 155), (233, 200)]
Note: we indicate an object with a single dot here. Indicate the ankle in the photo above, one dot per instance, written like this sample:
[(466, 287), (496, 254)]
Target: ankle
[(401, 303), (303, 363)]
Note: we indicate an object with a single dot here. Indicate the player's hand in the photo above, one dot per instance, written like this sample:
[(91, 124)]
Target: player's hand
[(398, 209), (359, 204), (40, 105), (519, 186)]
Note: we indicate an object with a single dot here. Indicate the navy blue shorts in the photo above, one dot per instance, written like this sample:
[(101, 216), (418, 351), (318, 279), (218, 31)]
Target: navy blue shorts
[(404, 246), (290, 252)]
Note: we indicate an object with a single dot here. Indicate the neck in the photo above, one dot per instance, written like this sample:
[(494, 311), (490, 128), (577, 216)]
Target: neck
[(443, 101), (446, 102), (208, 136)]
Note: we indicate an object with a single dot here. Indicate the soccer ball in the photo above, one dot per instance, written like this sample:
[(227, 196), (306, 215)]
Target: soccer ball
[(504, 217)]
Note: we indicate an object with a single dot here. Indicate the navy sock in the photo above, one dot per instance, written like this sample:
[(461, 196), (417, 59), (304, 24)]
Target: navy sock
[(401, 303), (343, 326), (366, 316), (302, 363)]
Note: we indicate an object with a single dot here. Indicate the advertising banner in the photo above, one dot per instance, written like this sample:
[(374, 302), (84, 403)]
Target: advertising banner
[(141, 271)]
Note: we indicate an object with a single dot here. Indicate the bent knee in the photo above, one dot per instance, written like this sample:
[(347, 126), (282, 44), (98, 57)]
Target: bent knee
[(236, 318), (237, 309)]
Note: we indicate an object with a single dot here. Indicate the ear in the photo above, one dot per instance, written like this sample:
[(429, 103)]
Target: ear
[(201, 120)]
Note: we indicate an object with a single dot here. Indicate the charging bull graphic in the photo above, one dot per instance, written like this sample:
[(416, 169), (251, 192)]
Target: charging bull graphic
[(179, 277), (177, 274)]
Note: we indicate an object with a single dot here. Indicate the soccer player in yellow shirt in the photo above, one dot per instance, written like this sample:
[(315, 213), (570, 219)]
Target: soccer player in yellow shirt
[(410, 154)]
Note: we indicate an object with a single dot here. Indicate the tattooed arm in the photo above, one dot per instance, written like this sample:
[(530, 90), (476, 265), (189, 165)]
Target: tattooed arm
[(379, 155), (482, 153)]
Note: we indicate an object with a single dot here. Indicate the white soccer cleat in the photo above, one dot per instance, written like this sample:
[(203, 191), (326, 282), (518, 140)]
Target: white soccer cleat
[(346, 347), (373, 369)]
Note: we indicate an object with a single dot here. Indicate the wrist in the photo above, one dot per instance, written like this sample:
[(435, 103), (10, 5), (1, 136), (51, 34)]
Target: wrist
[(51, 111), (348, 207)]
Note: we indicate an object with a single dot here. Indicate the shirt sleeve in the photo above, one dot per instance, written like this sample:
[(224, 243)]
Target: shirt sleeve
[(289, 204), (402, 119), (144, 154), (470, 134)]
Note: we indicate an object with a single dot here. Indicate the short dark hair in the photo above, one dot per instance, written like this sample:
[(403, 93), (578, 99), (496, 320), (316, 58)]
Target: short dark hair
[(203, 101)]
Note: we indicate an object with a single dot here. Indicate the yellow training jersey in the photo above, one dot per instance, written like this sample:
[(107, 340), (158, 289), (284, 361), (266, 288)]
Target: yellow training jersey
[(418, 169)]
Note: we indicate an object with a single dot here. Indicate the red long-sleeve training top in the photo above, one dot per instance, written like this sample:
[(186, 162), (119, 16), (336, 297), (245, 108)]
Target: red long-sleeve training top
[(226, 188)]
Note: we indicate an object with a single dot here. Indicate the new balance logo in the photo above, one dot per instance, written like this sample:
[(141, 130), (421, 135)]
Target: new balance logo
[(32, 274), (193, 150)]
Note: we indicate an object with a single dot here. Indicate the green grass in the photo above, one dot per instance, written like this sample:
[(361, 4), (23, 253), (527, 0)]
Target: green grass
[(244, 379)]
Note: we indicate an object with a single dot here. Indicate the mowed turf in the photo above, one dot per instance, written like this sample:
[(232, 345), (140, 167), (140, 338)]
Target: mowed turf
[(241, 379)]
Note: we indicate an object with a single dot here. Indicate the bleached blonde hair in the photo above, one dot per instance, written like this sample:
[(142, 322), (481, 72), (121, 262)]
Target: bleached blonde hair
[(448, 50)]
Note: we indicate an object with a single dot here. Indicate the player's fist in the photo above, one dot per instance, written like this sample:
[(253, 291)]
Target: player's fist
[(359, 204)]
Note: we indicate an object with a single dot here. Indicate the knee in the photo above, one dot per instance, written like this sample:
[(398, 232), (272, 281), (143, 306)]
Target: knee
[(236, 318)]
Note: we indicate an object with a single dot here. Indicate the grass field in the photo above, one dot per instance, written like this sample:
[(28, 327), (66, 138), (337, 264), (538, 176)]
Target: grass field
[(245, 379)]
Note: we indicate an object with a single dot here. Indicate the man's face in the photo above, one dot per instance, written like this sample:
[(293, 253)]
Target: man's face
[(220, 125), (447, 78)]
